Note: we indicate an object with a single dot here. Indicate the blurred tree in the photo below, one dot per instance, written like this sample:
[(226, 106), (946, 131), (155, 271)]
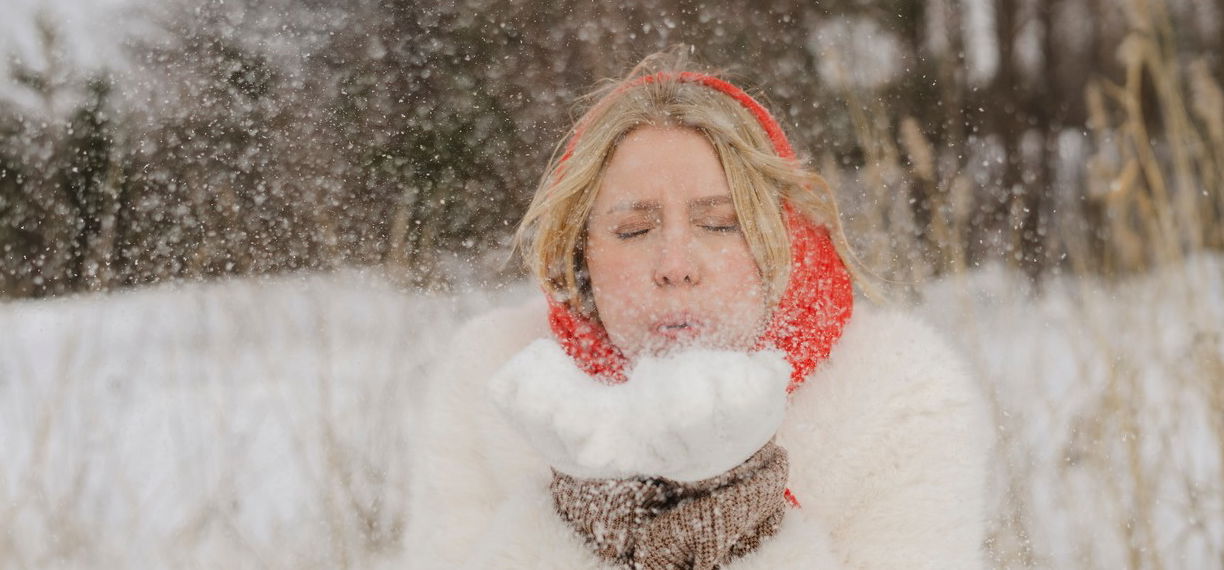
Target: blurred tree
[(255, 137), (89, 183)]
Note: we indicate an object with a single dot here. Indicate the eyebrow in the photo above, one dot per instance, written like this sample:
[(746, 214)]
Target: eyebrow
[(653, 205), (709, 201)]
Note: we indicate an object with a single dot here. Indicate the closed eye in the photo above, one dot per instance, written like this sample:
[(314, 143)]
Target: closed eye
[(630, 234), (721, 228)]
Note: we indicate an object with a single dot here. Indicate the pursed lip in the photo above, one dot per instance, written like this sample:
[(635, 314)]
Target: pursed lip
[(677, 326)]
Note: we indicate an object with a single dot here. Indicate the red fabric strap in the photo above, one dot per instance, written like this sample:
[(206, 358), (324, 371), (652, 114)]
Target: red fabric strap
[(790, 497)]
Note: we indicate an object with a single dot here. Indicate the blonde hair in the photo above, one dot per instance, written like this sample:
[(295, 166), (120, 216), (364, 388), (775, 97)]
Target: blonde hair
[(552, 234)]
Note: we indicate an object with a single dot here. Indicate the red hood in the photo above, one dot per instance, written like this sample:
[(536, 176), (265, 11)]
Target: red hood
[(811, 313)]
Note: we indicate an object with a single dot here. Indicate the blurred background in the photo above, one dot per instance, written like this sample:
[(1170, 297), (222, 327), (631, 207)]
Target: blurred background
[(234, 236)]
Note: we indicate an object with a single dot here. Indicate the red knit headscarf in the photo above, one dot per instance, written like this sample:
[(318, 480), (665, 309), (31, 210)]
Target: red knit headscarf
[(808, 318)]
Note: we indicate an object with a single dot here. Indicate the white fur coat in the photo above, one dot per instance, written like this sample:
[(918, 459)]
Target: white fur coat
[(888, 443)]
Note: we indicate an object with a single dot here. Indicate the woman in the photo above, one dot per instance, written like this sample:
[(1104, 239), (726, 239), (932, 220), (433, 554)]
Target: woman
[(693, 391)]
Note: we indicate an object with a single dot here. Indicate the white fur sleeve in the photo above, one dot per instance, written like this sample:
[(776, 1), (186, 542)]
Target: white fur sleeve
[(801, 542), (527, 534), (889, 443), (464, 463)]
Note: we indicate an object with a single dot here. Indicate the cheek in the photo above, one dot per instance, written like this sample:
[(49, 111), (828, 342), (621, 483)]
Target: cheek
[(747, 282), (619, 279), (610, 268), (737, 287)]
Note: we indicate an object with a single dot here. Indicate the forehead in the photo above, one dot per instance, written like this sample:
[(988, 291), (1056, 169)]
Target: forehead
[(665, 165)]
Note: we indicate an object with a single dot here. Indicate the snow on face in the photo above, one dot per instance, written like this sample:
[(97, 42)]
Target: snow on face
[(668, 263)]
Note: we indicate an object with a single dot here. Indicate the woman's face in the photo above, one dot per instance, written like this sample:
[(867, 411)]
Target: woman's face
[(667, 261)]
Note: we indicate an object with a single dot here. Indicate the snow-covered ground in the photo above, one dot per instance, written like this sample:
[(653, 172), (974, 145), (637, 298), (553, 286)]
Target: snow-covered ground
[(266, 424), (237, 424), (1110, 409)]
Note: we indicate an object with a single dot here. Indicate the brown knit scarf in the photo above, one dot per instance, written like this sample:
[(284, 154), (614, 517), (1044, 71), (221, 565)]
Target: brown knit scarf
[(660, 524)]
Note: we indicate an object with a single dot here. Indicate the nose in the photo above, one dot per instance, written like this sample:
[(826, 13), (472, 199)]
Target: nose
[(677, 262)]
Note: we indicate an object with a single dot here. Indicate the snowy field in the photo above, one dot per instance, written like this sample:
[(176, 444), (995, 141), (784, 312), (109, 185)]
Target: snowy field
[(268, 424)]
